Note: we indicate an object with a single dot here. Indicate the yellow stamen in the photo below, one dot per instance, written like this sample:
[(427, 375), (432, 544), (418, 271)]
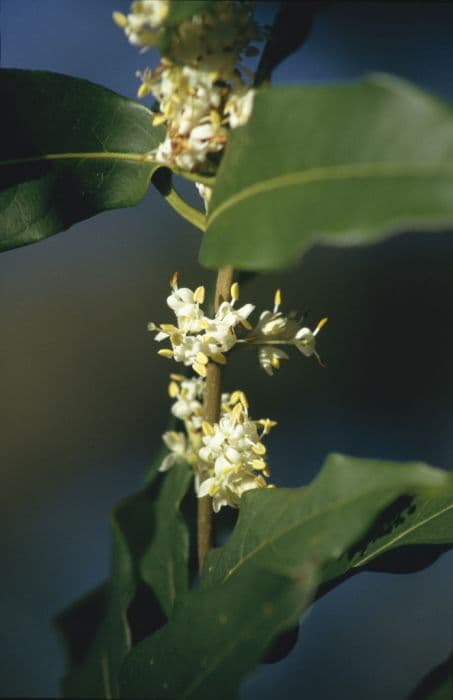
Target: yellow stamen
[(275, 362), (174, 280), (215, 117), (168, 328), (237, 413), (247, 325), (277, 298), (173, 390), (259, 448), (158, 118), (239, 397), (207, 428), (119, 19), (234, 291), (320, 325), (199, 369), (219, 357), (201, 358), (258, 464), (267, 424), (165, 352), (198, 295), (177, 377)]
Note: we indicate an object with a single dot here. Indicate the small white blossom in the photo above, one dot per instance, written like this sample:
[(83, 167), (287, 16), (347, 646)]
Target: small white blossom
[(233, 453), (274, 329), (145, 17), (196, 338), (228, 457), (239, 108), (200, 85), (177, 444)]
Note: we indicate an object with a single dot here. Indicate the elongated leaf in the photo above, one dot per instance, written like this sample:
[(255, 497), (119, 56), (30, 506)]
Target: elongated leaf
[(164, 566), (216, 636), (335, 514), (339, 165), (420, 520), (78, 624), (69, 149), (93, 672), (281, 535), (290, 28)]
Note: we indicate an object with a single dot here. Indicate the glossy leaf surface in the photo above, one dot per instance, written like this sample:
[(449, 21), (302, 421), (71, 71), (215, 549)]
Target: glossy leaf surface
[(353, 511), (217, 636), (341, 165), (69, 149)]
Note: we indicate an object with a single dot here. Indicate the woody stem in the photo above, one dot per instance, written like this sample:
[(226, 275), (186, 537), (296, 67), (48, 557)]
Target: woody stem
[(212, 402)]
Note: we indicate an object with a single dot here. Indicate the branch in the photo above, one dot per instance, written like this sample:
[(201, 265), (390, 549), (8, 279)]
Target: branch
[(212, 403)]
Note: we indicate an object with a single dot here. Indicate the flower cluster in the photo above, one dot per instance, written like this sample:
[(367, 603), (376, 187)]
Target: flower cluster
[(200, 86), (275, 329), (196, 338), (229, 457)]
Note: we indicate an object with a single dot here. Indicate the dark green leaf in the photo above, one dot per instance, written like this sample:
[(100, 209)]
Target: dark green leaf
[(290, 28), (217, 636), (69, 149), (437, 685), (78, 624), (334, 516), (424, 519), (164, 566), (93, 671), (340, 165)]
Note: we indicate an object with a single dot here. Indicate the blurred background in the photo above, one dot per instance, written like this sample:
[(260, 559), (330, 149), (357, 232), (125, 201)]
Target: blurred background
[(83, 398)]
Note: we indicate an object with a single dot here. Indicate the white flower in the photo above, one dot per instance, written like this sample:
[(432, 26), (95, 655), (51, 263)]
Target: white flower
[(274, 329), (269, 358), (239, 108), (205, 193), (197, 339), (233, 454), (177, 444), (145, 17)]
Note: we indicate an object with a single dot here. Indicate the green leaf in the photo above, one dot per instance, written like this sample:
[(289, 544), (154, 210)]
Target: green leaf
[(93, 671), (437, 685), (216, 636), (78, 624), (424, 519), (283, 537), (334, 164), (69, 149), (290, 28), (164, 566), (324, 521)]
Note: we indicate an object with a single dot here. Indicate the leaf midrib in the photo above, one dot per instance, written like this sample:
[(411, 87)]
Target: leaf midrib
[(390, 542), (137, 158), (329, 173), (299, 524)]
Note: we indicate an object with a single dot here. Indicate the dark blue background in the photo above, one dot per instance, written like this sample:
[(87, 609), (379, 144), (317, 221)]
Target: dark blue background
[(82, 389)]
